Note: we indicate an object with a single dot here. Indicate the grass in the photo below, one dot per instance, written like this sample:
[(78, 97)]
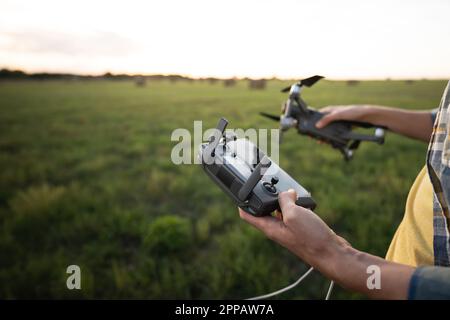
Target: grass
[(86, 179)]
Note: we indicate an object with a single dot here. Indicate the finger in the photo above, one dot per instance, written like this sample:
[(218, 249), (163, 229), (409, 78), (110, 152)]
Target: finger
[(269, 225), (287, 201), (327, 109), (326, 119)]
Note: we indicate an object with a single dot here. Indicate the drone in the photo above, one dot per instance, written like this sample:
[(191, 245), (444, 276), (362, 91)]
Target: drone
[(339, 134)]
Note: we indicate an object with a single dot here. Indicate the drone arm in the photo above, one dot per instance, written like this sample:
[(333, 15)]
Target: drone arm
[(302, 105), (361, 124), (378, 137)]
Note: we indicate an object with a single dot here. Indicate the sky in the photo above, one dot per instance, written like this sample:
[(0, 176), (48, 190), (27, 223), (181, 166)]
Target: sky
[(345, 39)]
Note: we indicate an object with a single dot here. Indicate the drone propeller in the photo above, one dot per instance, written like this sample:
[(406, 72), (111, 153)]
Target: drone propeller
[(278, 119), (270, 116), (286, 89), (308, 82)]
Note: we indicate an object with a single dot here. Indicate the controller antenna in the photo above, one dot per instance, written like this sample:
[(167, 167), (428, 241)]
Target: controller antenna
[(214, 141)]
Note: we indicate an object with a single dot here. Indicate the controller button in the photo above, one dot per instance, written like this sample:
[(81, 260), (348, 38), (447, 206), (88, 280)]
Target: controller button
[(274, 180), (270, 187)]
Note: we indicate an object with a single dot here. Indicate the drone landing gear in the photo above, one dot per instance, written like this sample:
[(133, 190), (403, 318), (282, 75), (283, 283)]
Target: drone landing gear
[(347, 153)]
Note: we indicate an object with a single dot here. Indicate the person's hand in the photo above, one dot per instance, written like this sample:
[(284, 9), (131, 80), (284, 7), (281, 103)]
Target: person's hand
[(350, 112), (298, 229), (307, 236)]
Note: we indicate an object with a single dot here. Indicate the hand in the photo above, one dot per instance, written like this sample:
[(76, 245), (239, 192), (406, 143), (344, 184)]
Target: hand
[(302, 232), (350, 112), (298, 229), (396, 120)]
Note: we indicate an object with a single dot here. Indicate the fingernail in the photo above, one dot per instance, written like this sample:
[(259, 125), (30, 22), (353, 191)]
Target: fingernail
[(291, 190)]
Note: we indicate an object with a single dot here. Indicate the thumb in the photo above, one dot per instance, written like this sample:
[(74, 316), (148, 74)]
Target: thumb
[(287, 200)]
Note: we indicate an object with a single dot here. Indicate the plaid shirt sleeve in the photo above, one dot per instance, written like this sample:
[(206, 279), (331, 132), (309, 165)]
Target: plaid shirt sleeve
[(430, 283), (438, 165), (434, 114)]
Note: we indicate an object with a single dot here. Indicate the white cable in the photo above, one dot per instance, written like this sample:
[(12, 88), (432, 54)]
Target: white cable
[(330, 288), (289, 287)]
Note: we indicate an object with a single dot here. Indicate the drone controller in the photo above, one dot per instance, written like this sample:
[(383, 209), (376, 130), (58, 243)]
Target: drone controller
[(246, 174)]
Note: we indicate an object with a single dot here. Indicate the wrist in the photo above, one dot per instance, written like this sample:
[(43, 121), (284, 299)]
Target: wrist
[(377, 115), (328, 257), (371, 113)]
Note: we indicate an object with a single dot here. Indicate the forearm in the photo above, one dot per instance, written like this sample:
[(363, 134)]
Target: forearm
[(349, 268), (413, 124)]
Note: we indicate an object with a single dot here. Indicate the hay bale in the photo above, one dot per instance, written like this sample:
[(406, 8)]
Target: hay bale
[(140, 81), (257, 84), (352, 82), (229, 82), (212, 80)]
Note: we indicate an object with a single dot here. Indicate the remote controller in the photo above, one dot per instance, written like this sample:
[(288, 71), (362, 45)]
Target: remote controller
[(246, 174)]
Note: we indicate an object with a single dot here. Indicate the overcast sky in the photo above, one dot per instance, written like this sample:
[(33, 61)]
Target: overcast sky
[(261, 38)]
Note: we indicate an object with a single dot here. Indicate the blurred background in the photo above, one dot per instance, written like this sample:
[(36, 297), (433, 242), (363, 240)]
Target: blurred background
[(90, 92)]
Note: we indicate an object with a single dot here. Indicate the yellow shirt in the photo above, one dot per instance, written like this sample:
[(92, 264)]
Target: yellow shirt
[(413, 241)]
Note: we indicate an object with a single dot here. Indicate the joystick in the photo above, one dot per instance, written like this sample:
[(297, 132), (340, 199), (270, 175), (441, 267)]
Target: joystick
[(246, 174), (270, 186)]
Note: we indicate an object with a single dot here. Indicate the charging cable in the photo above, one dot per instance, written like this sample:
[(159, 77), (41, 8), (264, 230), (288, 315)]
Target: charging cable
[(293, 285), (330, 288)]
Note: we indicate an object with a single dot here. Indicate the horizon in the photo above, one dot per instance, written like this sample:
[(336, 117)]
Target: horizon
[(28, 73), (255, 39)]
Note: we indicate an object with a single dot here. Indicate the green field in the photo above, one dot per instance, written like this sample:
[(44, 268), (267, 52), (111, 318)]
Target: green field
[(86, 178)]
